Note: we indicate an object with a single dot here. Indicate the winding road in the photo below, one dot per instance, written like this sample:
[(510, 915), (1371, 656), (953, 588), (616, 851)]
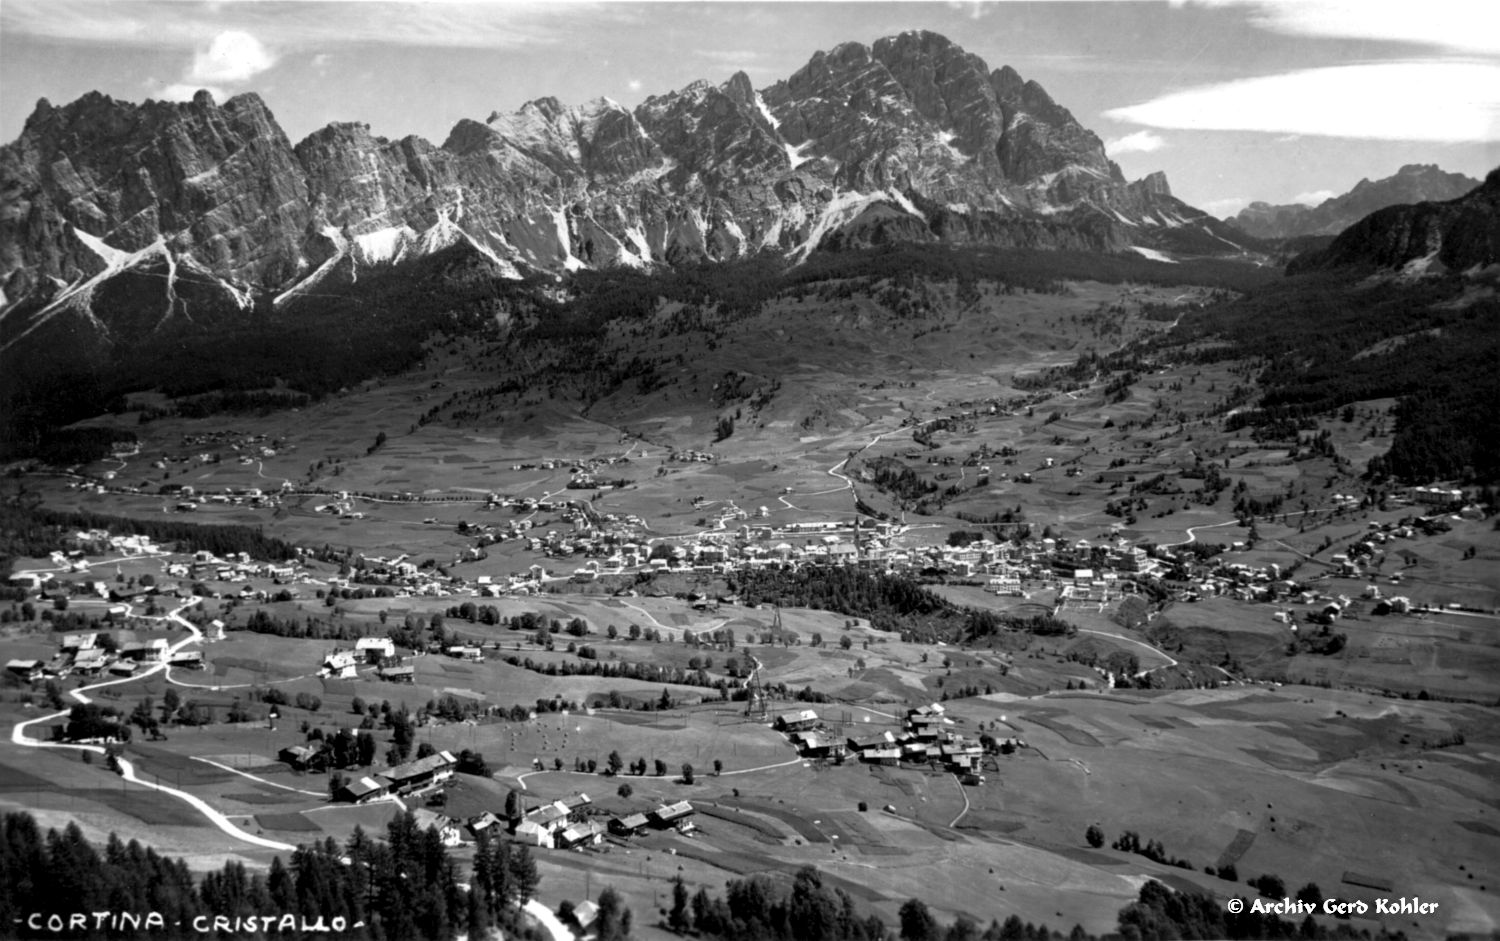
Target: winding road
[(19, 737)]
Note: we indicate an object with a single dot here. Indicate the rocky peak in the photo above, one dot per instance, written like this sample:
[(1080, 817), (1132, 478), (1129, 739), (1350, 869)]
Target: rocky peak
[(911, 137), (1413, 183)]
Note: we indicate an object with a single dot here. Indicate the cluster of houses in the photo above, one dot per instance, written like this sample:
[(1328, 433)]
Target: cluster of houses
[(568, 823), (413, 778), (926, 737), (343, 663), (93, 653)]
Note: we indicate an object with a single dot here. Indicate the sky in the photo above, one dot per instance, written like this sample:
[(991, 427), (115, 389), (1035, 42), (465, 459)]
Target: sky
[(1235, 100)]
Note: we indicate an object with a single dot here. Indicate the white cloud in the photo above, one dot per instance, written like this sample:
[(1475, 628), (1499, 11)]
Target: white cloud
[(321, 60), (1314, 198), (1457, 25), (634, 84), (470, 24), (184, 91), (232, 57), (1141, 142), (1447, 102), (1224, 208)]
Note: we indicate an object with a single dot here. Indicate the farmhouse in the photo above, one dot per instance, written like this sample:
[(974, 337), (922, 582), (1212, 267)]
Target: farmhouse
[(464, 652), (341, 664), (447, 827), (362, 790), (532, 833), (798, 721), (375, 649), (672, 816), (577, 806), (89, 661), (817, 745), (301, 757), (485, 823), (153, 651), (581, 834), (30, 670), (422, 773), (76, 642), (191, 659), (629, 825), (405, 673)]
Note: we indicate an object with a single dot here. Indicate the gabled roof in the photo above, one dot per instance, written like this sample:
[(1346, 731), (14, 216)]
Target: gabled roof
[(672, 811), (633, 822), (547, 813), (421, 766), (365, 785), (582, 831), (800, 715)]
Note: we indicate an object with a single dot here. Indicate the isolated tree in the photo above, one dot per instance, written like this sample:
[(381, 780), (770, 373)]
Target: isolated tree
[(625, 790), (365, 749), (523, 873), (718, 766), (1269, 886), (615, 762), (687, 773), (917, 923), (661, 767), (613, 922), (1094, 835), (677, 919)]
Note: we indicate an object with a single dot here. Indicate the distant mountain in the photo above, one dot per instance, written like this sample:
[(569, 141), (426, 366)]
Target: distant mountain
[(1460, 235), (911, 139), (1413, 183)]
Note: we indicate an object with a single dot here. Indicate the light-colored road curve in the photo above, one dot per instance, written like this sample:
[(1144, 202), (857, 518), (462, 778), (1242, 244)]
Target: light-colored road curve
[(1139, 643), (544, 916), (19, 737), (257, 779), (965, 795)]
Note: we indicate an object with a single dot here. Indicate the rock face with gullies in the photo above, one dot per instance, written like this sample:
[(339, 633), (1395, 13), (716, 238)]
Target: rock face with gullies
[(1459, 235), (909, 139), (221, 182), (1413, 183)]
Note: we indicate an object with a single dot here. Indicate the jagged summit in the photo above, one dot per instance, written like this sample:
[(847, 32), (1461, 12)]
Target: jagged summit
[(1413, 183), (908, 138), (1461, 234)]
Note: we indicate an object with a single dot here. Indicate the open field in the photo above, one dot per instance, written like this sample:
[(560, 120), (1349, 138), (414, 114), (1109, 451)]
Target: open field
[(1377, 762)]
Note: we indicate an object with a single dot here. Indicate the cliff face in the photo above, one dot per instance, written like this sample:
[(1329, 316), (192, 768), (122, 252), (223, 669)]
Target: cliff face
[(218, 182), (912, 138), (1414, 183), (1457, 235)]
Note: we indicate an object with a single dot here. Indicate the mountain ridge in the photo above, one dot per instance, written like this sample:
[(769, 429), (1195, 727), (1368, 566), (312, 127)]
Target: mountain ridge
[(844, 151), (1412, 183), (1455, 235)]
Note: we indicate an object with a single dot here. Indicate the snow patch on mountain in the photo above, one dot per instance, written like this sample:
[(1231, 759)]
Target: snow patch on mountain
[(905, 203), (79, 295), (760, 104), (386, 246), (1152, 254), (794, 154)]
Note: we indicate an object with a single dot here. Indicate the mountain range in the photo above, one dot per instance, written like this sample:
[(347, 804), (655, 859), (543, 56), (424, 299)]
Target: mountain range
[(1413, 183), (910, 139), (1455, 235)]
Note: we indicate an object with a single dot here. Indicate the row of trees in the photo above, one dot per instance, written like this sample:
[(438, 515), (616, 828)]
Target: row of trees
[(405, 886)]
